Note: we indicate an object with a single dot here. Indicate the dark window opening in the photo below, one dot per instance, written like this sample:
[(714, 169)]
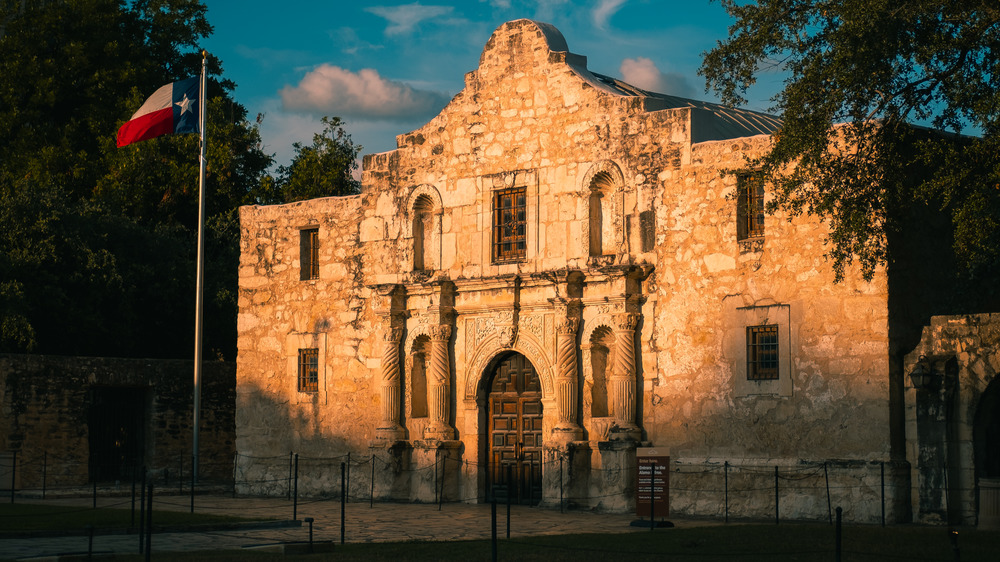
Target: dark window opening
[(510, 224), (309, 370), (749, 207), (309, 253), (762, 352)]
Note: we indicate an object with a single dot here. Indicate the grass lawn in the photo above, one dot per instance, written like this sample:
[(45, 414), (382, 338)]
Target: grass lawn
[(25, 517), (791, 542)]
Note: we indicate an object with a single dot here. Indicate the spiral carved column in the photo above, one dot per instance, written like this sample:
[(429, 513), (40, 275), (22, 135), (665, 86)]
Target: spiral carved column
[(567, 385), (622, 380), (439, 372), (389, 427)]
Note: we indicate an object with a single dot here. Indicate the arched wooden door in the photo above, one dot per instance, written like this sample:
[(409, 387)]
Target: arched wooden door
[(515, 419)]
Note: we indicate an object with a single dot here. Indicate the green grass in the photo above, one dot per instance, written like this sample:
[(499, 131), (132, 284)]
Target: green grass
[(23, 517), (791, 542)]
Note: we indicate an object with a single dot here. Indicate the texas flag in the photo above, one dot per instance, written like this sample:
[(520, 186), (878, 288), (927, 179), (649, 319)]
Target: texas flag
[(171, 109)]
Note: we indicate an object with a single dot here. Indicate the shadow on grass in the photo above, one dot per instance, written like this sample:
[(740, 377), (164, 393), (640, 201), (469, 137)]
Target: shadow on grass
[(792, 542)]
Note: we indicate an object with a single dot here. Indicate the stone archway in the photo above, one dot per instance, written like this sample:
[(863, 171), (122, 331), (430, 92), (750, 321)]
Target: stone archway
[(513, 447)]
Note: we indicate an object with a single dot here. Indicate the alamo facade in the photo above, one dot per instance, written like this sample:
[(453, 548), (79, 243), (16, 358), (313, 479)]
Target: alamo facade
[(553, 273)]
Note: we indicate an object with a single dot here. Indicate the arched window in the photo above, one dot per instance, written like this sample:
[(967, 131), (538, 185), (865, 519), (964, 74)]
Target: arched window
[(602, 227), (418, 378), (423, 234), (602, 347)]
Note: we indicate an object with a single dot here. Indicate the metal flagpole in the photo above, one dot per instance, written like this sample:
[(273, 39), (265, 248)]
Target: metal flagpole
[(200, 278)]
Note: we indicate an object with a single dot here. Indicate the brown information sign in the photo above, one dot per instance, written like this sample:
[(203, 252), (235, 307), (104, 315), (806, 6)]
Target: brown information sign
[(652, 482)]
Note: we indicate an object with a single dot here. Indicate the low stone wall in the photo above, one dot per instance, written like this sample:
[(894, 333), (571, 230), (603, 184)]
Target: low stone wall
[(801, 490), (741, 489), (46, 408)]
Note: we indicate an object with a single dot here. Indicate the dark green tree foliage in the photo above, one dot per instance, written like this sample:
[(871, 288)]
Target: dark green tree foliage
[(876, 66), (97, 249), (323, 169)]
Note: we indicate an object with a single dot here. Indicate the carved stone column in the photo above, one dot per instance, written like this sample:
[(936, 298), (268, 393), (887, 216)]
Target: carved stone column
[(622, 381), (439, 373), (567, 385), (389, 427)]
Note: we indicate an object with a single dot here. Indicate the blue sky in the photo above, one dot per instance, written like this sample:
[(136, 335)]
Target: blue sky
[(387, 67)]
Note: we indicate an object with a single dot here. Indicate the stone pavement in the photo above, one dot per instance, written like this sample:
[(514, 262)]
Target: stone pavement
[(384, 522)]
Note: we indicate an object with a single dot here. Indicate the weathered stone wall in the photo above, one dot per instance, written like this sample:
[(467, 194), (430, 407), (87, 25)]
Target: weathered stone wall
[(46, 405), (669, 269), (951, 427)]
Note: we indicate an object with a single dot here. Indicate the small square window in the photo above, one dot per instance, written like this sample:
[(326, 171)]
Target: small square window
[(309, 370), (762, 352), (510, 224), (749, 207), (309, 253)]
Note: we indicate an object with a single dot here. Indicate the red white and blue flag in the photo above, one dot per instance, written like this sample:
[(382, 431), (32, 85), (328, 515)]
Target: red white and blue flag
[(171, 109)]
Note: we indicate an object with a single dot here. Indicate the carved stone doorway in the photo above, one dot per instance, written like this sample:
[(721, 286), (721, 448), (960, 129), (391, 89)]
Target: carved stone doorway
[(515, 424)]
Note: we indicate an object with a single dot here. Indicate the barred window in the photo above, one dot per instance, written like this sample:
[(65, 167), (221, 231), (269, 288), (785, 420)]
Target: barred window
[(749, 207), (762, 352), (509, 224), (309, 253), (309, 370)]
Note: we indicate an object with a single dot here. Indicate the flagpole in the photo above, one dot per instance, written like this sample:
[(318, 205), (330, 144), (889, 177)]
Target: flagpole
[(200, 279)]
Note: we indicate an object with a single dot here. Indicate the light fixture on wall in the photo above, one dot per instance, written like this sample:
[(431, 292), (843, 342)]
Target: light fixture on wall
[(922, 377)]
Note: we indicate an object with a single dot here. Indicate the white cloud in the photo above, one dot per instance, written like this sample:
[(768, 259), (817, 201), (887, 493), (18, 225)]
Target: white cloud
[(404, 18), (603, 12), (642, 72), (332, 90)]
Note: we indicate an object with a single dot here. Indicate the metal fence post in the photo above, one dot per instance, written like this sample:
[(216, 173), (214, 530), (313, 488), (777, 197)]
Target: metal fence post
[(371, 496), (826, 477), (343, 494), (882, 470), (295, 495), (149, 524), (726, 478), (775, 495)]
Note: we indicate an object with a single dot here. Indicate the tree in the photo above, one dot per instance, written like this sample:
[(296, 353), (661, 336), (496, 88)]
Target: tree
[(97, 252), (876, 67), (323, 169)]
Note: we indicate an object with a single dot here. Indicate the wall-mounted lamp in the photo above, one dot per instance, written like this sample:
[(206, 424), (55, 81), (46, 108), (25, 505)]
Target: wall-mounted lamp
[(922, 377)]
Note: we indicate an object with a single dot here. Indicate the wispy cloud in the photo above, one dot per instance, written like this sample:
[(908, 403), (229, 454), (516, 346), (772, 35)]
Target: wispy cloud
[(603, 12), (332, 90), (404, 18), (642, 72)]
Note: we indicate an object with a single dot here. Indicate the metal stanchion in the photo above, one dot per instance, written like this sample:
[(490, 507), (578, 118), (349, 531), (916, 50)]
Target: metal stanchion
[(343, 494), (310, 521), (295, 496), (839, 536)]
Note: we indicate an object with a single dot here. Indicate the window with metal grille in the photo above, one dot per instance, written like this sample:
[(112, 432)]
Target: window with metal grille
[(749, 207), (509, 224), (309, 370), (762, 352), (309, 253)]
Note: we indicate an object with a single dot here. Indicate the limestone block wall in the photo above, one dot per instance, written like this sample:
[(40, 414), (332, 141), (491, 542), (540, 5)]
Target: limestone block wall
[(831, 402), (280, 314), (46, 404)]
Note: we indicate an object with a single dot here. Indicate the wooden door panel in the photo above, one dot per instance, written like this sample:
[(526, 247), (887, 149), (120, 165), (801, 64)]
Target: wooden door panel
[(516, 431)]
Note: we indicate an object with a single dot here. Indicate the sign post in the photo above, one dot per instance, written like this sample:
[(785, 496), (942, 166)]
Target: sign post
[(652, 486)]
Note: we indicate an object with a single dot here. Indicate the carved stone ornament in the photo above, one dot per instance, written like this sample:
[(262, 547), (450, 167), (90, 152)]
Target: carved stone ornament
[(392, 335), (439, 332), (567, 325), (627, 321), (507, 336)]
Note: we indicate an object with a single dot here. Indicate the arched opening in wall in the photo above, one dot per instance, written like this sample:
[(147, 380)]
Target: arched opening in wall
[(418, 378), (602, 346), (423, 234), (514, 424), (602, 213), (986, 433), (986, 454)]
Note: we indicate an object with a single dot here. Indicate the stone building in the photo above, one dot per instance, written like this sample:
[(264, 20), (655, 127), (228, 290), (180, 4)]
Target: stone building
[(551, 274)]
